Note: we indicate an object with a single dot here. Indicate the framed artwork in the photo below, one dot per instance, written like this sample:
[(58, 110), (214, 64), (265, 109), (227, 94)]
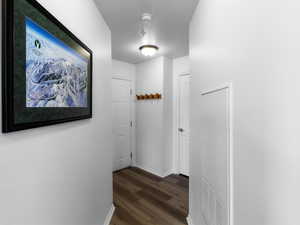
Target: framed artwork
[(46, 70)]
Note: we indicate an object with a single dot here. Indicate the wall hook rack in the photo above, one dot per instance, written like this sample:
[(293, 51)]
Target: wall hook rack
[(155, 96)]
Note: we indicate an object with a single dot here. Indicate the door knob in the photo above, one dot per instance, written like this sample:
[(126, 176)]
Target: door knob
[(180, 129)]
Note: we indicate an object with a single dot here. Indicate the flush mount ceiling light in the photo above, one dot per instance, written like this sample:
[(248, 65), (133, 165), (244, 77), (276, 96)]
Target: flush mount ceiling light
[(147, 48)]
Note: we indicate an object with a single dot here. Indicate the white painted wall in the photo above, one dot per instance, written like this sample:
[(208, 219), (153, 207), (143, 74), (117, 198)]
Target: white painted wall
[(255, 45), (149, 116), (168, 116), (126, 71), (123, 70), (62, 174), (181, 66), (153, 117)]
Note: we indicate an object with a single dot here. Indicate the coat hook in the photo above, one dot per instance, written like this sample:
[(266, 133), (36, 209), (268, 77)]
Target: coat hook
[(149, 96)]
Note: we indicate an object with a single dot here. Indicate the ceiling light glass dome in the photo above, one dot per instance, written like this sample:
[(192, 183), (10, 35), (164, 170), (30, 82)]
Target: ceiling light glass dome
[(149, 50)]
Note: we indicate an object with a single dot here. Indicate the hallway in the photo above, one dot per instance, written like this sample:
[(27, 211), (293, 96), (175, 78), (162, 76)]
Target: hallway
[(150, 112), (142, 198)]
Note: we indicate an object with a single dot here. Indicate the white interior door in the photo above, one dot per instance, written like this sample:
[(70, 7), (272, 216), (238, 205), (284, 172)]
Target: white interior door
[(184, 124), (215, 155), (121, 123)]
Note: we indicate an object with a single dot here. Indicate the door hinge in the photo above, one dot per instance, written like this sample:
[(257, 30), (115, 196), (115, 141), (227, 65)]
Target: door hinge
[(131, 155), (131, 123), (130, 91)]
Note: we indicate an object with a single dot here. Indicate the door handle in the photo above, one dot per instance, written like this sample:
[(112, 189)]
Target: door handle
[(180, 129)]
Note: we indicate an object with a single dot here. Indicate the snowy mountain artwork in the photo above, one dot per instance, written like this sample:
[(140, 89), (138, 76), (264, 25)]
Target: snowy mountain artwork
[(56, 75), (47, 71)]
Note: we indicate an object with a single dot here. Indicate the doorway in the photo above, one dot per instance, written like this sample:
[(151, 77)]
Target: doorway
[(184, 124), (122, 123)]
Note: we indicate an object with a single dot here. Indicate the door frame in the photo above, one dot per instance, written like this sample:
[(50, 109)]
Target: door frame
[(176, 150), (132, 118), (230, 157)]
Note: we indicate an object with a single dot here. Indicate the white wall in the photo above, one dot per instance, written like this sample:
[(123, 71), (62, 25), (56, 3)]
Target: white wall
[(153, 140), (61, 174), (255, 45), (168, 116), (126, 71), (181, 66), (149, 116), (123, 70)]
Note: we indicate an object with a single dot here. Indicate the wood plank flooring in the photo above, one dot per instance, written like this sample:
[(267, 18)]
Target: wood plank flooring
[(142, 198)]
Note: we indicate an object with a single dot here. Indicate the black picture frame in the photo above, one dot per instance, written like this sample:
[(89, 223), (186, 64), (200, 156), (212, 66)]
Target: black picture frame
[(10, 109)]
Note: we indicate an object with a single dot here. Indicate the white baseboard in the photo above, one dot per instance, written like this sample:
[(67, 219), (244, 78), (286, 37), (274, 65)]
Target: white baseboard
[(134, 164), (189, 220), (169, 173), (109, 215), (155, 172), (150, 170)]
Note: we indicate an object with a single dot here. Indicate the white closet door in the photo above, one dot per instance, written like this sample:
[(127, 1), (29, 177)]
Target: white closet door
[(121, 123), (184, 124), (215, 155)]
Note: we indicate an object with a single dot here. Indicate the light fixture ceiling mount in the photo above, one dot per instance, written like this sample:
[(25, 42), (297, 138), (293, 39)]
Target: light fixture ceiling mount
[(147, 48)]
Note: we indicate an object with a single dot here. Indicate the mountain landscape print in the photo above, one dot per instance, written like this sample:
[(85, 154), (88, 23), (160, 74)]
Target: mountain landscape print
[(56, 75)]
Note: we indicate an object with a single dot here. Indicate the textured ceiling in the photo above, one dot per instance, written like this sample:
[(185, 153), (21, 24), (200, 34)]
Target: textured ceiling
[(170, 26)]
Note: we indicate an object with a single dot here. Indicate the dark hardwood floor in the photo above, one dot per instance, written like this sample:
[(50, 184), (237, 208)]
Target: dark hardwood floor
[(142, 198)]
